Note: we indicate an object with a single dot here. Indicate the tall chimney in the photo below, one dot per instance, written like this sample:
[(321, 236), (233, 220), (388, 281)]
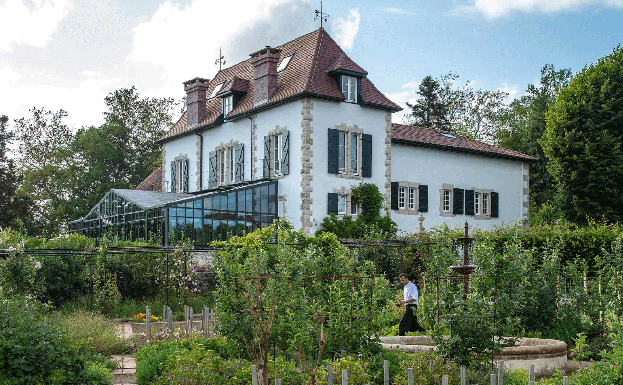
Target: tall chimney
[(265, 63), (196, 97)]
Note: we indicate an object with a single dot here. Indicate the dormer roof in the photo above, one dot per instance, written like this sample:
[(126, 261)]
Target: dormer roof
[(306, 75)]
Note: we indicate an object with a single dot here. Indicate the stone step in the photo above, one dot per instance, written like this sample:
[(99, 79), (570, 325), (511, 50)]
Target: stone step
[(125, 373)]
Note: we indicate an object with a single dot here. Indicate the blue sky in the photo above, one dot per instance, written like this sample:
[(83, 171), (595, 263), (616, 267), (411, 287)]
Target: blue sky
[(69, 54)]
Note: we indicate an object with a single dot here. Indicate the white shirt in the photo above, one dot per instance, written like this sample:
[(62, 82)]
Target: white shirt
[(410, 291)]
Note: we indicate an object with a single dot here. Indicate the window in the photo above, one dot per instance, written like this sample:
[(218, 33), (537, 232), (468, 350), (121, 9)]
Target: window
[(402, 192), (179, 175), (409, 198), (276, 153), (284, 63), (221, 162), (477, 203), (228, 104), (447, 196), (342, 152), (354, 153), (485, 204), (411, 202), (354, 208), (232, 165), (481, 203), (341, 204), (349, 152), (276, 144), (349, 88)]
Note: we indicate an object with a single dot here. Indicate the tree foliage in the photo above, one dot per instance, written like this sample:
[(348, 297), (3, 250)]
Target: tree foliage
[(525, 126), (583, 142), (445, 105)]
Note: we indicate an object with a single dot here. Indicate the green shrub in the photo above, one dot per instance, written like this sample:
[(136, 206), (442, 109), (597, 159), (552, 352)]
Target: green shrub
[(428, 368), (93, 332), (356, 371), (150, 360)]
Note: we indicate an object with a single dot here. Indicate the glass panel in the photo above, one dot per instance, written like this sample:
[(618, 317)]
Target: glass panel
[(256, 199), (249, 200), (241, 201), (342, 151), (207, 203), (198, 203), (272, 198), (232, 201), (264, 199)]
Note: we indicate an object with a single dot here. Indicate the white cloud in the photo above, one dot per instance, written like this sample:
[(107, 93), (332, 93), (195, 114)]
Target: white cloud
[(399, 11), (513, 91), (498, 8), (401, 98), (346, 29), (179, 42), (410, 86), (30, 25)]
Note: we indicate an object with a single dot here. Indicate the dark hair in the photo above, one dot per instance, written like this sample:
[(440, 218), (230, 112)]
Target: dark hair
[(404, 275)]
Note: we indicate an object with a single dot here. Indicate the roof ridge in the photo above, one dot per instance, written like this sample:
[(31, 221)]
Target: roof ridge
[(319, 39)]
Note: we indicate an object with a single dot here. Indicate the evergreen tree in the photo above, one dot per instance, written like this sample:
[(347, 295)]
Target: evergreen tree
[(428, 110)]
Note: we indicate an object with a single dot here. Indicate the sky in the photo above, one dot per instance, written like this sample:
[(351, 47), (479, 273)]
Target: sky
[(69, 54)]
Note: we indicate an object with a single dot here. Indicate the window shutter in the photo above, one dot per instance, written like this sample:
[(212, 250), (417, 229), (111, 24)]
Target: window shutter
[(212, 170), (285, 152), (394, 196), (495, 199), (173, 177), (267, 157), (332, 203), (469, 202), (458, 196), (239, 153), (184, 176), (332, 156), (423, 198), (366, 155)]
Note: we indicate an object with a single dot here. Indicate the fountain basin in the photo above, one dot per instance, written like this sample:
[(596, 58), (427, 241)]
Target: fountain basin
[(546, 355)]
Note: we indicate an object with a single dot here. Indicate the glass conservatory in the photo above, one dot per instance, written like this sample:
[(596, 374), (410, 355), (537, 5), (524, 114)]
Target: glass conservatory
[(169, 217)]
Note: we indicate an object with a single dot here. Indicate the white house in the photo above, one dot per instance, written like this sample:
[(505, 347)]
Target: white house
[(288, 132)]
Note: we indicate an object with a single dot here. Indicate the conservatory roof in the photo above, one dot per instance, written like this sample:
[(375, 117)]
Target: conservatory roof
[(150, 199)]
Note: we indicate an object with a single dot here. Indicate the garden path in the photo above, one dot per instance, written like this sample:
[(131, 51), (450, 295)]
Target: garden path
[(125, 374)]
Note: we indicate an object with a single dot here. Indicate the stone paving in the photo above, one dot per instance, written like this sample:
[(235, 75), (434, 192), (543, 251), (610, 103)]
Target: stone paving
[(126, 369)]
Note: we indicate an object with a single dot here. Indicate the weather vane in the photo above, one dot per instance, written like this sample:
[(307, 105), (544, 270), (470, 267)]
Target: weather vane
[(221, 60), (321, 15)]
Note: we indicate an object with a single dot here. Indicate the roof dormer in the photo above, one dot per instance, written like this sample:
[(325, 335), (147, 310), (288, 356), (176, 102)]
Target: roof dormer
[(347, 75), (231, 92)]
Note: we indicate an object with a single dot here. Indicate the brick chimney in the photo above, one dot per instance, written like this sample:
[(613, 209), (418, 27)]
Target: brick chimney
[(196, 97), (265, 63)]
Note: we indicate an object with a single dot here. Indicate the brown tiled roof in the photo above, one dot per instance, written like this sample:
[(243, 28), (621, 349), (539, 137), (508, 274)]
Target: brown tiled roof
[(235, 84), (428, 137), (153, 182), (343, 62), (305, 75)]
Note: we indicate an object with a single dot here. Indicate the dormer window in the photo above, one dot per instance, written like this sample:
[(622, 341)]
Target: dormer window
[(349, 88), (284, 63), (228, 104), (216, 90)]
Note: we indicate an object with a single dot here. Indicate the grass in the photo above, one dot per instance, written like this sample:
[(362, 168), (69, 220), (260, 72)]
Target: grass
[(92, 332)]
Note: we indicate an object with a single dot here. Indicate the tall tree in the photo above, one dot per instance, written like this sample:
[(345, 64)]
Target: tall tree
[(583, 142), (428, 110), (123, 151), (525, 126), (12, 206), (44, 157)]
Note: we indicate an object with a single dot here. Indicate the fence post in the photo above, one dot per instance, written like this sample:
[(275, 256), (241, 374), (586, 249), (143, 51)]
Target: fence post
[(463, 375), (253, 375), (444, 379), (164, 316), (277, 381), (148, 322), (410, 376), (204, 322), (493, 380), (531, 373), (501, 372), (344, 377), (565, 380), (170, 321), (190, 317), (385, 372), (329, 374)]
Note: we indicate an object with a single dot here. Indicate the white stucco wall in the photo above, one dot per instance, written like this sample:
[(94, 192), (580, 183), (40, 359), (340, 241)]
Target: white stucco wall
[(182, 147), (327, 115), (435, 167)]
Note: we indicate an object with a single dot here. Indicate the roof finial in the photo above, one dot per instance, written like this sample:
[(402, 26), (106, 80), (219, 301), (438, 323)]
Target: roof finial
[(321, 15), (221, 60)]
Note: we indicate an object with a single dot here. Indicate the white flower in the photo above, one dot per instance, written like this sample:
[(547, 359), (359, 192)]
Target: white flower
[(37, 265)]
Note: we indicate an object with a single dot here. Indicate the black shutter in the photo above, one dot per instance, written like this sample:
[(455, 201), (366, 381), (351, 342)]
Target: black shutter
[(285, 152), (457, 195), (469, 202), (267, 157), (423, 198), (394, 196), (239, 150), (212, 169), (184, 176), (366, 155), (332, 203), (495, 199), (332, 156), (172, 177)]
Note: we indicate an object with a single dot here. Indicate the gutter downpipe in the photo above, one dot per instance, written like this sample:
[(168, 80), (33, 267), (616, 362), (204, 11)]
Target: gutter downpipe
[(200, 160)]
